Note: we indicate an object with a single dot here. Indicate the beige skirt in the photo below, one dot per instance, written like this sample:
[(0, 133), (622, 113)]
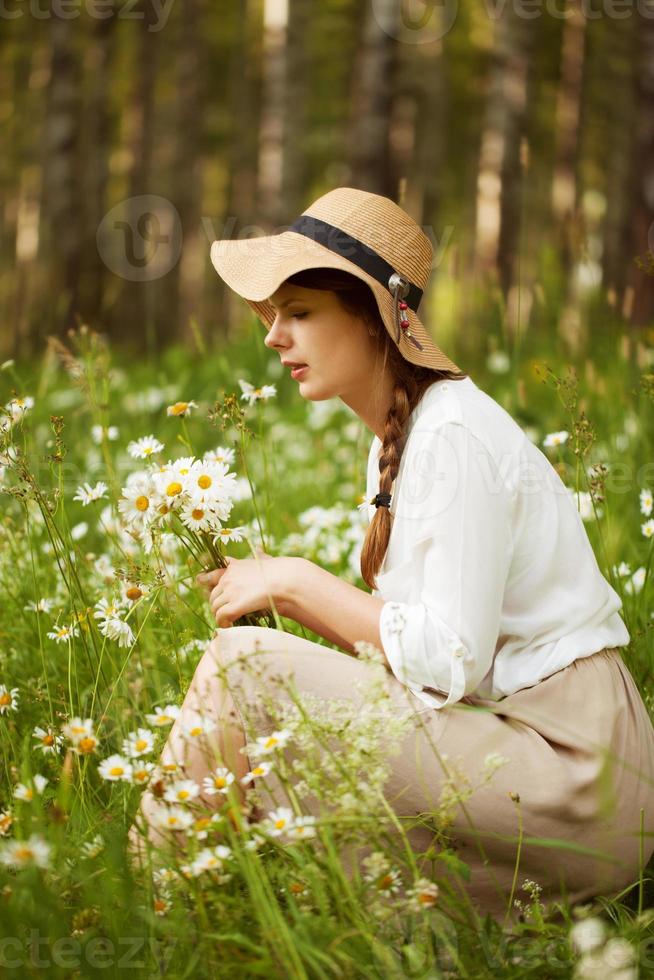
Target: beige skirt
[(553, 784)]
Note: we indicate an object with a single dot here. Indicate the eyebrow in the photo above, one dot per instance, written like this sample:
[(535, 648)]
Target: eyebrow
[(286, 302)]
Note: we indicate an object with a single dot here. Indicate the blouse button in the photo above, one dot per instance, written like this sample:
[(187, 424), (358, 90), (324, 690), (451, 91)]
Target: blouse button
[(458, 652)]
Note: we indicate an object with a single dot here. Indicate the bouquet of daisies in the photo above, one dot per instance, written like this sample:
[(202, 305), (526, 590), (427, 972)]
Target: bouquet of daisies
[(191, 497)]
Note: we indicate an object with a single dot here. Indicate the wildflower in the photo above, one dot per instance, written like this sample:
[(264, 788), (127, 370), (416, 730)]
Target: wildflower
[(555, 438), (227, 534), (492, 762), (262, 769), (622, 569), (280, 821), (199, 516), (86, 494), (138, 743), (6, 820), (375, 865), (18, 407), (137, 504), (302, 828), (218, 781), (91, 849), (173, 818), (161, 905), (180, 409), (588, 934), (221, 454), (648, 528), (182, 791), (8, 699), (81, 734), (210, 859), (99, 432), (78, 531), (636, 582), (142, 772), (163, 716), (114, 768), (21, 854), (131, 592), (48, 740), (265, 744), (253, 394), (26, 793), (498, 362), (423, 895), (144, 447), (201, 827), (62, 634), (646, 502), (117, 629), (195, 725), (41, 605)]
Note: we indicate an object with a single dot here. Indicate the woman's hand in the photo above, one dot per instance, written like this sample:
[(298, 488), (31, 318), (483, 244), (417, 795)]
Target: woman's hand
[(246, 586)]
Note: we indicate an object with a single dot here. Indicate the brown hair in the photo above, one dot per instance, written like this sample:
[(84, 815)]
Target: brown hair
[(411, 382)]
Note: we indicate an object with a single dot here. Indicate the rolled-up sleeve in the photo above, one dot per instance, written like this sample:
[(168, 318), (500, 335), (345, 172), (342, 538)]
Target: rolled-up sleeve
[(447, 640)]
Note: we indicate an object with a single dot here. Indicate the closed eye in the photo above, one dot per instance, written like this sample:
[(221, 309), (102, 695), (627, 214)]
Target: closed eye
[(298, 316)]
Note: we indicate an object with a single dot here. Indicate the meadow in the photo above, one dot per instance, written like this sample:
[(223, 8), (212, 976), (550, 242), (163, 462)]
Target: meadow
[(102, 625)]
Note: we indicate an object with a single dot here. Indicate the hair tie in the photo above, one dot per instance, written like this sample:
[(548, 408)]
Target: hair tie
[(382, 500)]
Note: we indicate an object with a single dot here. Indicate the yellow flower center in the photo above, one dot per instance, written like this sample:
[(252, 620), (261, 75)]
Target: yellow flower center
[(197, 514), (219, 782), (5, 822), (279, 824), (87, 744), (270, 742), (134, 593), (48, 740), (141, 744), (196, 731), (147, 450), (5, 699), (116, 771), (142, 503), (28, 794), (24, 853), (183, 794), (204, 482), (425, 898), (178, 408), (173, 489)]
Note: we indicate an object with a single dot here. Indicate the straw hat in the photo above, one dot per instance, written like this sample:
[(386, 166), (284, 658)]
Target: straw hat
[(362, 233)]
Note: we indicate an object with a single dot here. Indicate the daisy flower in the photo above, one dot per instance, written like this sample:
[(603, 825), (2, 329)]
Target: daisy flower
[(48, 740), (218, 781), (182, 791), (423, 895), (163, 716), (62, 634), (138, 743), (91, 848), (26, 793), (104, 609), (265, 744), (142, 772), (117, 629), (279, 821), (115, 768), (226, 534), (81, 734), (253, 394), (144, 447), (41, 605), (646, 502), (180, 409), (86, 494), (302, 828), (210, 859), (199, 516), (389, 882), (6, 820), (161, 905), (173, 818), (98, 432), (137, 504), (131, 592), (201, 827), (195, 725), (8, 699), (262, 769), (222, 454), (18, 407), (556, 438), (648, 527), (622, 569), (21, 853)]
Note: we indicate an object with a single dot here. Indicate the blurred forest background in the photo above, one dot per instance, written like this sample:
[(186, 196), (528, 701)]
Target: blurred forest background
[(520, 135)]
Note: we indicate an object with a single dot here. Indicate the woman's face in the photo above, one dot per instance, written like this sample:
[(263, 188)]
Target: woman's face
[(311, 327)]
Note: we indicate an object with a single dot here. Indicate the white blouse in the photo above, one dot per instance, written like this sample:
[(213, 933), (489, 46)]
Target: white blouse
[(490, 581)]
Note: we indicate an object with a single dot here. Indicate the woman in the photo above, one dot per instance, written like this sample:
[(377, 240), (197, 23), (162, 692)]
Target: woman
[(498, 630)]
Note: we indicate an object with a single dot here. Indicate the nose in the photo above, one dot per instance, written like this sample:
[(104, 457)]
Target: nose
[(273, 337)]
